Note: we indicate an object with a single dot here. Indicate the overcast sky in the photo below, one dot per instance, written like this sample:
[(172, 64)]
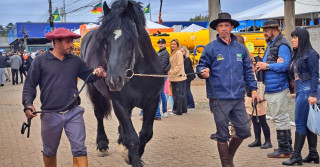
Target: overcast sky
[(172, 10)]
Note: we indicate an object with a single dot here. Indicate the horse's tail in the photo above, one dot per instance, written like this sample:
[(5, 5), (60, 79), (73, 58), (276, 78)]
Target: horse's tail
[(101, 104)]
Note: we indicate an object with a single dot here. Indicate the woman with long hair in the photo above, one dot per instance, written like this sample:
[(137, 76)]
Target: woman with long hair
[(22, 69), (188, 69), (304, 72), (178, 82), (262, 111)]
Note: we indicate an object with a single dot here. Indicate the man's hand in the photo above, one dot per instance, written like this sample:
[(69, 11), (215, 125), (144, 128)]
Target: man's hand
[(205, 73), (280, 60), (312, 100), (29, 114), (100, 72), (255, 95), (261, 66)]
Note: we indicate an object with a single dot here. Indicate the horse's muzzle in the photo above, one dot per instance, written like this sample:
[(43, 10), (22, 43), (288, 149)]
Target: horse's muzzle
[(115, 82)]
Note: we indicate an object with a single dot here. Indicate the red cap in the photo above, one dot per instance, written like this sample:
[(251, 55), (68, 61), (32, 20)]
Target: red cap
[(61, 33)]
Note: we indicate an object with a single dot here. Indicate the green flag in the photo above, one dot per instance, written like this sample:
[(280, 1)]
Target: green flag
[(56, 15), (147, 9)]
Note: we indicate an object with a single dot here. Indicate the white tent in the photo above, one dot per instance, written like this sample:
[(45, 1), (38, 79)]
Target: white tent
[(193, 28), (275, 9), (150, 24)]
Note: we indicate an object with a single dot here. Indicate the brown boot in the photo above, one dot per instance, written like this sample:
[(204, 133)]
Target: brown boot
[(80, 161), (50, 161), (233, 146), (224, 154)]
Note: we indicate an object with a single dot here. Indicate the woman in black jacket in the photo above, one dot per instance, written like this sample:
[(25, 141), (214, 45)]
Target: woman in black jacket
[(304, 72), (188, 69), (22, 68)]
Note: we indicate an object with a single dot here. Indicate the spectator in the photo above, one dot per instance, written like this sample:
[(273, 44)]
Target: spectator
[(165, 64), (22, 68), (178, 83), (28, 62), (277, 86), (304, 72), (3, 63), (8, 68), (188, 69), (262, 112), (15, 62), (226, 66), (168, 92)]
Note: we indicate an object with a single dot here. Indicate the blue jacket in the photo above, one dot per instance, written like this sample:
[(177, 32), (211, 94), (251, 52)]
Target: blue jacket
[(276, 78), (230, 69), (307, 68)]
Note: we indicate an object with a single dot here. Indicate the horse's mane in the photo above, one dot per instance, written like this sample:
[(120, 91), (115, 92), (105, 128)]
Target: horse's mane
[(118, 17)]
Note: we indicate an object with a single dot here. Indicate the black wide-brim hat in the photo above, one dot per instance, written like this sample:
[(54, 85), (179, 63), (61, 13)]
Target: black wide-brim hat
[(224, 17)]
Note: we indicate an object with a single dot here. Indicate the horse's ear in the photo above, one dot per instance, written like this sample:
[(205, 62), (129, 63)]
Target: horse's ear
[(106, 9), (130, 10)]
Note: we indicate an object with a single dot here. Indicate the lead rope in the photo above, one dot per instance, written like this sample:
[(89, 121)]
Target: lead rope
[(130, 73)]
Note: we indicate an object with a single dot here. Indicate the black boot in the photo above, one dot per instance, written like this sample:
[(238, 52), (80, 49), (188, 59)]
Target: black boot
[(266, 144), (256, 143), (296, 155), (313, 153), (290, 141), (283, 143), (233, 146)]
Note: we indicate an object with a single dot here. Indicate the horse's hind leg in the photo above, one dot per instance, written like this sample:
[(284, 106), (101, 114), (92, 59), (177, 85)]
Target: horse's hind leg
[(128, 137), (102, 108), (146, 132)]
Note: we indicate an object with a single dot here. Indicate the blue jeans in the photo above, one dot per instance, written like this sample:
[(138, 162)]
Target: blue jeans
[(2, 75), (190, 101), (163, 98), (302, 89)]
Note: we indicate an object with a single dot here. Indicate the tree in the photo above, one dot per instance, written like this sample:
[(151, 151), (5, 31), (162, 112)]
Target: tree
[(200, 18), (2, 28), (9, 26)]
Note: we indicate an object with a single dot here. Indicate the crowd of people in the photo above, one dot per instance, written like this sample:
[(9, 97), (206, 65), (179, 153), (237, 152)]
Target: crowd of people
[(176, 89), (229, 72), (13, 65)]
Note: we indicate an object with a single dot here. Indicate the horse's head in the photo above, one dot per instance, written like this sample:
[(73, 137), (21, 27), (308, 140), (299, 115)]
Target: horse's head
[(119, 41)]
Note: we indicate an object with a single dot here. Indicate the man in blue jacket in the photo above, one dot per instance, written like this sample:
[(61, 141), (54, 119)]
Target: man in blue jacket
[(226, 66), (277, 85)]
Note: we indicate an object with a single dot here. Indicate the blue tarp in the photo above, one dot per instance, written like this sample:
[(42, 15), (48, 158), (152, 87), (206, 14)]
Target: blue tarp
[(38, 30)]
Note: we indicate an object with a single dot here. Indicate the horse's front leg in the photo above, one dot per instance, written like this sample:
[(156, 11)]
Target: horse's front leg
[(102, 139), (146, 133), (128, 139)]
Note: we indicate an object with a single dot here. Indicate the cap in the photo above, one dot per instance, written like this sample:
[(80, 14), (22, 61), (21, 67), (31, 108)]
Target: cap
[(161, 40)]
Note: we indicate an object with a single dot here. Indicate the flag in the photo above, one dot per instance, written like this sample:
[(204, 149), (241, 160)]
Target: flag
[(56, 15), (97, 9), (147, 9)]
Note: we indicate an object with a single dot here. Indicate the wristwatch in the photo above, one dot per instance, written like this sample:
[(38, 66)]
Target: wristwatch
[(268, 67)]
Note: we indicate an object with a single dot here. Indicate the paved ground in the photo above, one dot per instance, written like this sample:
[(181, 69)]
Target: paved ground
[(178, 140)]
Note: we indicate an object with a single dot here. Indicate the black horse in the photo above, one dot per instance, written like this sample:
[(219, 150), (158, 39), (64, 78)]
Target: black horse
[(119, 45)]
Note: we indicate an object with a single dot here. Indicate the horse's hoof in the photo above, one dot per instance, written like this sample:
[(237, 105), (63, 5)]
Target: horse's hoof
[(103, 152), (124, 153)]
